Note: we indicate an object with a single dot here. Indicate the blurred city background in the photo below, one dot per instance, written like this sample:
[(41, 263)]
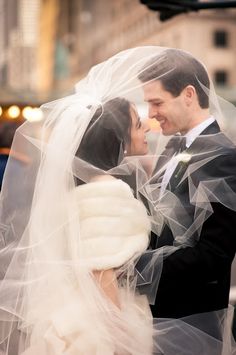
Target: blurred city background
[(46, 46)]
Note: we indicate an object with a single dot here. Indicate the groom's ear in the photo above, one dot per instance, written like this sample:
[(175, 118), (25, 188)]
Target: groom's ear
[(189, 93)]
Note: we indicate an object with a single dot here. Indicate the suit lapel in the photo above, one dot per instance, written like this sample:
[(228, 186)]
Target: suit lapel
[(201, 144), (198, 145), (161, 164), (178, 173)]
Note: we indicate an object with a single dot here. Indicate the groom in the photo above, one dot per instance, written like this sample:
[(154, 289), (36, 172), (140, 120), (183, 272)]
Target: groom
[(196, 278)]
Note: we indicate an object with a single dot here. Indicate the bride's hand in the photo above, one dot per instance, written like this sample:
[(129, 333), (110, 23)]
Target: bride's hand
[(108, 282)]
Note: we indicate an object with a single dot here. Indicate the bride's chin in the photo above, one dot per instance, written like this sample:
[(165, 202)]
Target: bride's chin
[(145, 152)]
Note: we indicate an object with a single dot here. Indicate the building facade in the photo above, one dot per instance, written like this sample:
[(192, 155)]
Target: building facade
[(106, 28), (27, 41), (46, 46)]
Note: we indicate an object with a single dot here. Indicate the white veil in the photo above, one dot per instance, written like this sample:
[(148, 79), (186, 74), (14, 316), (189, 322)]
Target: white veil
[(40, 224)]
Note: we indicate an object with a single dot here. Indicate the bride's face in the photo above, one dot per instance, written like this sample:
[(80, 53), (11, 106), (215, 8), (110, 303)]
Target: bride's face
[(138, 143)]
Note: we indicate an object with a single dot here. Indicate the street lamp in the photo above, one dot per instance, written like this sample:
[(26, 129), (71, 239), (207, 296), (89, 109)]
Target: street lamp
[(13, 112)]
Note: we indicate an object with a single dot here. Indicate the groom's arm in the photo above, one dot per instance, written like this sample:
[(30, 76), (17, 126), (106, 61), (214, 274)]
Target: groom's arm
[(213, 253), (215, 249)]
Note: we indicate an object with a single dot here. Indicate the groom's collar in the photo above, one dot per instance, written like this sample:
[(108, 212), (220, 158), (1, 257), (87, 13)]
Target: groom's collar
[(201, 128)]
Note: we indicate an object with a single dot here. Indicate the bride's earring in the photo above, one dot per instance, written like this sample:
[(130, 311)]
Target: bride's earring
[(125, 152)]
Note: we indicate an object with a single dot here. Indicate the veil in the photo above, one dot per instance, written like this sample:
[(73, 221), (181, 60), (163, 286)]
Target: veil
[(42, 261)]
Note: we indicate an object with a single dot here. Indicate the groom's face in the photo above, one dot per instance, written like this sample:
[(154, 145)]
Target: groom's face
[(170, 111)]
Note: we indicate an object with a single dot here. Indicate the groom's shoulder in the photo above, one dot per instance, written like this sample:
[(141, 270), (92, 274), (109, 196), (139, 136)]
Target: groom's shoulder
[(218, 141), (226, 144)]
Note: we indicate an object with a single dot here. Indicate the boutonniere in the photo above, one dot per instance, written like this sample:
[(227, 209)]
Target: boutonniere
[(183, 159)]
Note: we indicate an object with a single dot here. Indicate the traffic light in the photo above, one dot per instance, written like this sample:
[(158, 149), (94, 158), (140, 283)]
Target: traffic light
[(168, 9)]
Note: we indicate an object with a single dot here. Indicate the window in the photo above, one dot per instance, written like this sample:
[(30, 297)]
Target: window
[(221, 77), (221, 39)]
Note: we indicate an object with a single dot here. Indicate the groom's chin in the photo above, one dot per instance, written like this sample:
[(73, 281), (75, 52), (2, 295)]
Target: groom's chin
[(168, 132)]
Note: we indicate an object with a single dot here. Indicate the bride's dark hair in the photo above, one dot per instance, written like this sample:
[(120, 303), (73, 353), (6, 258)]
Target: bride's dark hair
[(108, 133)]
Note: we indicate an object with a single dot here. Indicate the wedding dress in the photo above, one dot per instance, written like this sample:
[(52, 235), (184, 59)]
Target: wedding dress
[(114, 229)]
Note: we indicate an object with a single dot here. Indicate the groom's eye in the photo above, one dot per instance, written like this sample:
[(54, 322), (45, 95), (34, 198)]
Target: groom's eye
[(158, 103)]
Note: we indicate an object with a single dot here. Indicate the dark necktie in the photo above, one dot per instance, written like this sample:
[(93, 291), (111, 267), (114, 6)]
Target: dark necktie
[(177, 143)]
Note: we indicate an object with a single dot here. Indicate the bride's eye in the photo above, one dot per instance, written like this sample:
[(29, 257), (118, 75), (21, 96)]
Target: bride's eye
[(139, 124)]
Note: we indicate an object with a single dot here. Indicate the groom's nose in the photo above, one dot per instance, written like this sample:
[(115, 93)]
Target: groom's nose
[(152, 112)]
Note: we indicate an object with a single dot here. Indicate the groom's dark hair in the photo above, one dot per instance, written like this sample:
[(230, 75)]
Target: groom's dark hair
[(176, 69)]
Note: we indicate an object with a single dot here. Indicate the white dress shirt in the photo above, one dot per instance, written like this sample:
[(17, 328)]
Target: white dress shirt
[(173, 162)]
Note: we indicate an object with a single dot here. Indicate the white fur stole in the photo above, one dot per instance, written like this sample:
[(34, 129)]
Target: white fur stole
[(114, 226)]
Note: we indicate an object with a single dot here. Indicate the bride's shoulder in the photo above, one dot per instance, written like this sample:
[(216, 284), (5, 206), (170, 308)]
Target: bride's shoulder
[(103, 178), (104, 185)]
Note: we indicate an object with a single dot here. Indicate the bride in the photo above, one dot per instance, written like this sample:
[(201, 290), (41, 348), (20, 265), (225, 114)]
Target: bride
[(74, 292), (74, 226)]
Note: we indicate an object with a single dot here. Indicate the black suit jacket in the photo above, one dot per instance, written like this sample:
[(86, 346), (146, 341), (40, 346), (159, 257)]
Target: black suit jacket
[(196, 279)]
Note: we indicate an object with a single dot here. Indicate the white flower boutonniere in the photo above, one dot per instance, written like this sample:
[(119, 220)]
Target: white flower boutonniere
[(183, 157)]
